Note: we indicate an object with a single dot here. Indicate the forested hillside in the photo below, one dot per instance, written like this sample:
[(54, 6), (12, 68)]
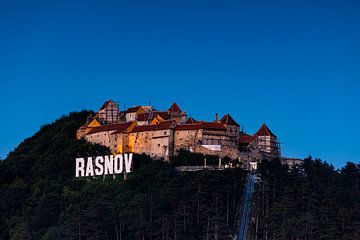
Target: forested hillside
[(41, 199), (314, 201)]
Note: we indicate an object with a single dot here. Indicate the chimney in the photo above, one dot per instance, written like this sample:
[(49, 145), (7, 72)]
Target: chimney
[(216, 117)]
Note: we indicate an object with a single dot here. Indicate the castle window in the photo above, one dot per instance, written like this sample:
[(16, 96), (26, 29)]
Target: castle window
[(165, 133), (158, 145)]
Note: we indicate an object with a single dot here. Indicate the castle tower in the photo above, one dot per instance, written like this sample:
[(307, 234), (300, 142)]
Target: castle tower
[(109, 112), (232, 130), (267, 141)]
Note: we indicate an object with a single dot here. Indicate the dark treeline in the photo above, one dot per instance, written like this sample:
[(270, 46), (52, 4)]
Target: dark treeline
[(41, 199), (314, 201)]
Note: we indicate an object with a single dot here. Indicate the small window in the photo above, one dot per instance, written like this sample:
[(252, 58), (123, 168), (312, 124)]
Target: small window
[(165, 133), (158, 145)]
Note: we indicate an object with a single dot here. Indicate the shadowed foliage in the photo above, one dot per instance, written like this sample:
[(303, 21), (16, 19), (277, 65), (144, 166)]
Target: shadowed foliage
[(41, 199)]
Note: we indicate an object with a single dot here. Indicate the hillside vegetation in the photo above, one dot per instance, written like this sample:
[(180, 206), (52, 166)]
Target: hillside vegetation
[(41, 199), (314, 201)]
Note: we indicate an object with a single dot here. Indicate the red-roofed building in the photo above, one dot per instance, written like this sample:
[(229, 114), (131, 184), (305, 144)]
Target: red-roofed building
[(161, 133), (174, 108), (190, 120), (232, 130), (132, 113), (108, 135), (109, 112), (228, 120), (267, 141), (176, 113), (200, 133), (154, 140), (264, 131), (143, 118), (91, 122)]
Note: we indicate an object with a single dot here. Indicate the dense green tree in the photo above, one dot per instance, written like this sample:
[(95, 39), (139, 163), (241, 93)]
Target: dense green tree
[(313, 201), (41, 199)]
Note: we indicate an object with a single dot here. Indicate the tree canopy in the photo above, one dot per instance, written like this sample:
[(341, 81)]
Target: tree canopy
[(41, 198)]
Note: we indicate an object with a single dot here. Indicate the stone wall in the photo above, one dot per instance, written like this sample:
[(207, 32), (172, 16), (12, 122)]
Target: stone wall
[(225, 151), (184, 139), (104, 138)]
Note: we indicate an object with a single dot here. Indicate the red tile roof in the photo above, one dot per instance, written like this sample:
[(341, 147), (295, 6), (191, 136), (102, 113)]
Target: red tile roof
[(164, 114), (133, 109), (201, 125), (174, 108), (212, 126), (182, 127), (227, 119), (106, 103), (264, 131), (190, 120), (111, 127), (246, 138), (161, 126), (143, 117)]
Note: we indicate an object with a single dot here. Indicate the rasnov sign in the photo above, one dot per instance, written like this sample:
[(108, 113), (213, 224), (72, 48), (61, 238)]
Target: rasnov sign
[(103, 165)]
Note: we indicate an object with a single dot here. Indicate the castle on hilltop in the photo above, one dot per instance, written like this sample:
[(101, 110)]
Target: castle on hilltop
[(161, 134)]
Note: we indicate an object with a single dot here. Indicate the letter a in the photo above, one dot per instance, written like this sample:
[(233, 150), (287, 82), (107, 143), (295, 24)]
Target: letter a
[(89, 167)]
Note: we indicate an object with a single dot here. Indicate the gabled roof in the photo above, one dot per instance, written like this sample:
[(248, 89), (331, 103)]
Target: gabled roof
[(182, 127), (212, 126), (89, 120), (161, 126), (111, 127), (264, 131), (201, 125), (163, 114), (228, 120), (190, 120), (143, 117), (125, 128), (133, 109), (106, 103), (174, 108), (246, 138)]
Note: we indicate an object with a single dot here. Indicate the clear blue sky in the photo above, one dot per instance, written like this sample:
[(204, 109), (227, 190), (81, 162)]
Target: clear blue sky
[(294, 65)]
